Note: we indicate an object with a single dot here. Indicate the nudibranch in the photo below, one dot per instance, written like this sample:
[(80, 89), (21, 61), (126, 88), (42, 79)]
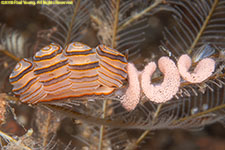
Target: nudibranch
[(78, 70)]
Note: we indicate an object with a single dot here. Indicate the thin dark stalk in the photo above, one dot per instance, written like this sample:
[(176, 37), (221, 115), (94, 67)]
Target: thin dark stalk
[(72, 22), (10, 55), (220, 107), (203, 27), (115, 26), (102, 128), (146, 132), (46, 128), (139, 15)]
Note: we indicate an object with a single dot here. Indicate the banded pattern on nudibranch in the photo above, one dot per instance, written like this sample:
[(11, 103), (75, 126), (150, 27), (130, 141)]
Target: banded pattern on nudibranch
[(84, 66), (77, 71), (25, 83), (51, 68), (112, 66)]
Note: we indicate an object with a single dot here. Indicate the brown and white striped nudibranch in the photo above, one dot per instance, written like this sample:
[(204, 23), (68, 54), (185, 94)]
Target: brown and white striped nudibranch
[(112, 66), (25, 83), (83, 65), (76, 71), (51, 68)]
